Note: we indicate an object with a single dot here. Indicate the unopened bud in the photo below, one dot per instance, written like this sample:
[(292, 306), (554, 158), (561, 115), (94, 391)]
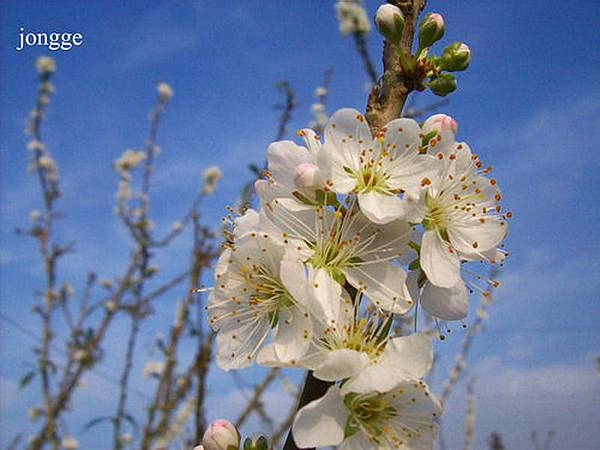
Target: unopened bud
[(390, 22), (431, 30), (442, 124), (443, 84), (456, 57), (221, 435), (307, 177), (256, 443)]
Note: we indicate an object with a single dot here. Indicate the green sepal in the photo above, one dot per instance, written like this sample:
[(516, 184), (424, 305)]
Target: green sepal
[(415, 264)]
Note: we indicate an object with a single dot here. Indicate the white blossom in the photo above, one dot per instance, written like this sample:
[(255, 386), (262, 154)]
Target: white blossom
[(153, 368), (320, 91), (340, 245), (211, 176), (69, 443), (165, 92), (389, 409), (129, 159), (377, 169), (352, 17), (259, 285), (45, 64)]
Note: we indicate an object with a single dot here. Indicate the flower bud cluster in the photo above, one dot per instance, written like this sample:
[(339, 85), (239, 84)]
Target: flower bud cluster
[(427, 70)]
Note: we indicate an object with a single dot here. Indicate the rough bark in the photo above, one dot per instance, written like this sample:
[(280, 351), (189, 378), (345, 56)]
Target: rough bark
[(388, 96)]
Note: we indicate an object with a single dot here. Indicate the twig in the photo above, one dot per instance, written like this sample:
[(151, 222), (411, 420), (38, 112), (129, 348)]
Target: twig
[(388, 95)]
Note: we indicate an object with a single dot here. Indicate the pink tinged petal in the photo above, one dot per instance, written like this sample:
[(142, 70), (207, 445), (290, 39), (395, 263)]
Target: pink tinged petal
[(403, 358), (340, 364), (283, 157), (384, 284), (321, 423), (476, 237), (439, 260), (380, 208), (446, 303)]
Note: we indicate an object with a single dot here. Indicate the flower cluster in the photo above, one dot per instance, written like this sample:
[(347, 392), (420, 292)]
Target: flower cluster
[(352, 232)]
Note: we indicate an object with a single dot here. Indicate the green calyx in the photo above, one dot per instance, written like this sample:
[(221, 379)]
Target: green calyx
[(368, 413)]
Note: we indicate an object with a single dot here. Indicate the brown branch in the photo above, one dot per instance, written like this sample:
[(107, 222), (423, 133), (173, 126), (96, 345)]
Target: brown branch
[(388, 96), (313, 389)]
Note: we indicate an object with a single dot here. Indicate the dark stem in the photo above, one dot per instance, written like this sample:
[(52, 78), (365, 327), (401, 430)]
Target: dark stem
[(313, 390)]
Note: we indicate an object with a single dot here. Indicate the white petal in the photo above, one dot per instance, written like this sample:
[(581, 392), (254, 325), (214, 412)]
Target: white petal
[(402, 136), (346, 128), (327, 293), (408, 173), (439, 261), (403, 358), (246, 223), (383, 283), (446, 303), (380, 208), (357, 441), (340, 364), (223, 262), (283, 157), (294, 278), (311, 140), (291, 338), (321, 423), (474, 236), (332, 162)]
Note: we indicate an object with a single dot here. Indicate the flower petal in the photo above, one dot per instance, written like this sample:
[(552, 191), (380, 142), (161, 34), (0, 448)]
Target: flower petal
[(340, 364), (446, 303), (402, 136), (283, 157), (321, 423), (474, 236), (403, 358), (291, 339), (380, 208), (333, 164), (383, 283), (439, 260)]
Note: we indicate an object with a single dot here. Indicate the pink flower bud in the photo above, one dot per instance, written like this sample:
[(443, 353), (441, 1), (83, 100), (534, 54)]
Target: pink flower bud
[(441, 123), (390, 22), (307, 177), (221, 435), (431, 30)]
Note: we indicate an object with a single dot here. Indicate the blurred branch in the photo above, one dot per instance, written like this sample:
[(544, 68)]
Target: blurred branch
[(287, 107)]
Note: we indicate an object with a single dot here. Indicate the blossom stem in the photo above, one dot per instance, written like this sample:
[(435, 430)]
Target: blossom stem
[(313, 389)]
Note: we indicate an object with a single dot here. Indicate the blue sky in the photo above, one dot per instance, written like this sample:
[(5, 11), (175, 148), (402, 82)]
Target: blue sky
[(529, 104)]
